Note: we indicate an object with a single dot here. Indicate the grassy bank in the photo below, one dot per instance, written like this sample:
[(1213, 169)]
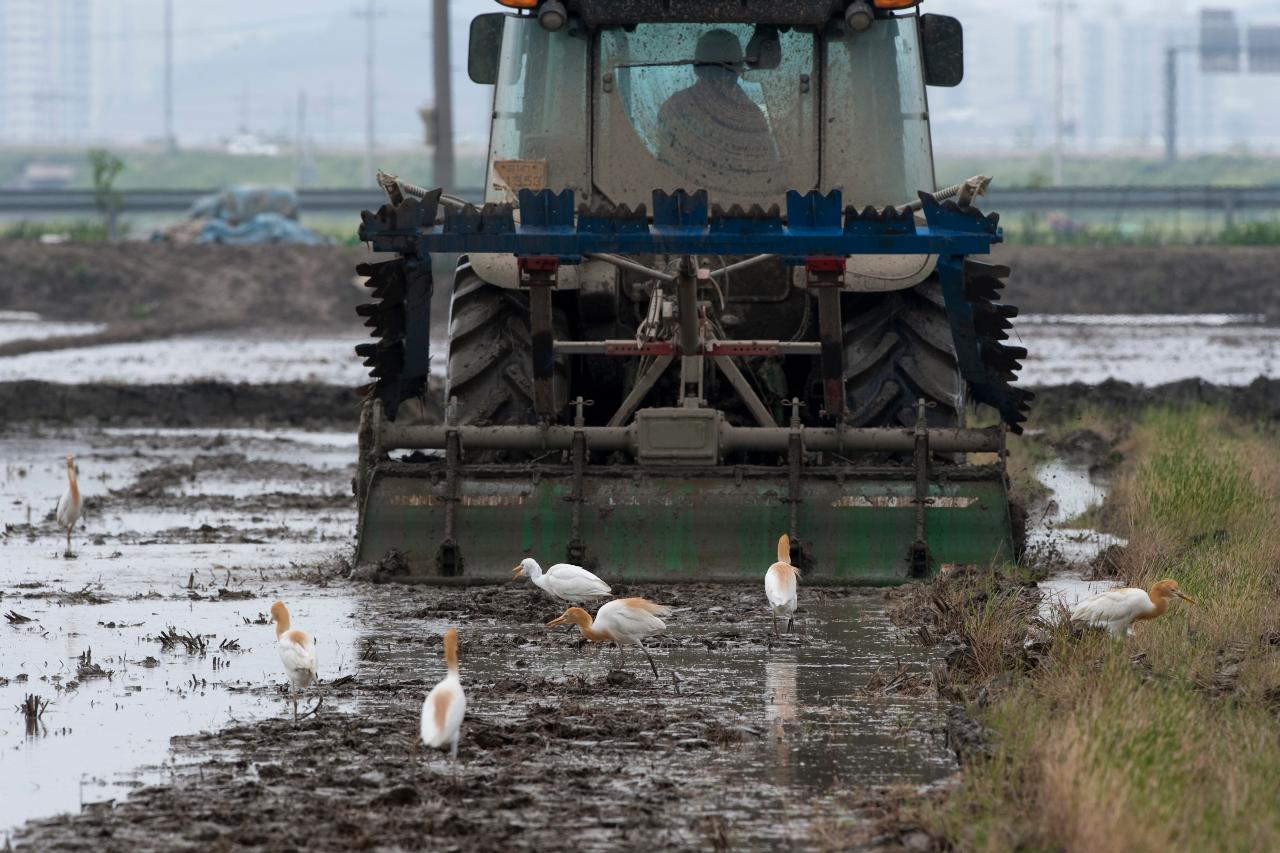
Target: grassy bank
[(1168, 740)]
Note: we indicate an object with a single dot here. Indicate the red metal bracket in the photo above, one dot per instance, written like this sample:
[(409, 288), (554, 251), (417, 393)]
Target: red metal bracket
[(649, 348)]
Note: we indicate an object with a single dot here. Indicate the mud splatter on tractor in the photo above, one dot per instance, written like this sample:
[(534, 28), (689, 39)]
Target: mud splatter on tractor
[(661, 382)]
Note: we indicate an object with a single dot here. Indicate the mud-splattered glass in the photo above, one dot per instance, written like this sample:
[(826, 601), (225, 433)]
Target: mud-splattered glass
[(876, 145), (693, 106), (539, 136)]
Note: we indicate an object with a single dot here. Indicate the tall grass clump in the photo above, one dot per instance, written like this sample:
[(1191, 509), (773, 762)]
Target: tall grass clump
[(1169, 740)]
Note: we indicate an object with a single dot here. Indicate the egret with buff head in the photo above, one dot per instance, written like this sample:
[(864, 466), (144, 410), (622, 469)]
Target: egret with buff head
[(446, 704), (563, 581), (297, 653), (623, 622), (780, 584), (1117, 609), (69, 504)]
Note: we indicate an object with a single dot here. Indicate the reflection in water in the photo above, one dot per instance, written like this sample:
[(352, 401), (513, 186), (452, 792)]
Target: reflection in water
[(780, 712)]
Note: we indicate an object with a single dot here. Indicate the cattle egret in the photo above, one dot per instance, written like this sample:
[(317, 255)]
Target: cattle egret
[(297, 653), (780, 584), (445, 705), (623, 622), (563, 582), (69, 504), (1117, 609)]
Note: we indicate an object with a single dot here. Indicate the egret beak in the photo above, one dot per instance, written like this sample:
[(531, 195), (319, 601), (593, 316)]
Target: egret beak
[(1184, 596), (517, 572)]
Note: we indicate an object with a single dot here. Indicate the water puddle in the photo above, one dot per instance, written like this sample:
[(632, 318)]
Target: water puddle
[(251, 357), (98, 730), (1075, 491), (1147, 349), (29, 326)]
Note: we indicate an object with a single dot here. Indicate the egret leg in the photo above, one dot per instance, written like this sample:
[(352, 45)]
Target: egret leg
[(453, 759), (650, 657), (775, 625), (67, 553), (622, 656), (790, 619)]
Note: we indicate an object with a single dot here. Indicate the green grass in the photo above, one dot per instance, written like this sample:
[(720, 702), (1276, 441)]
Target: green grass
[(156, 168), (1035, 169), (78, 230), (1167, 740)]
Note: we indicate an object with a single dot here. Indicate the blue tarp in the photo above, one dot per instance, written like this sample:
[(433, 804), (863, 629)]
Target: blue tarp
[(262, 228)]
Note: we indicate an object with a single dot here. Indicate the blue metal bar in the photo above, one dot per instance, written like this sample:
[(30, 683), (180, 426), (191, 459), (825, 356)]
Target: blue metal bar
[(682, 223)]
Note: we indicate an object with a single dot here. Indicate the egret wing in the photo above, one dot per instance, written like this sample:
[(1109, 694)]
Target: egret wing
[(1114, 605), (780, 585), (297, 657), (625, 621), (574, 582), (442, 712)]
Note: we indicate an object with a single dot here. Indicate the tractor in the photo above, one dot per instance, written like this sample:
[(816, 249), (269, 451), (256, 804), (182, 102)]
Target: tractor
[(713, 294)]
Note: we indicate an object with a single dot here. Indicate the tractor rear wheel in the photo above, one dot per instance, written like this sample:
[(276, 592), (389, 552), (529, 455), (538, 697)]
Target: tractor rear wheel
[(898, 348), (490, 361)]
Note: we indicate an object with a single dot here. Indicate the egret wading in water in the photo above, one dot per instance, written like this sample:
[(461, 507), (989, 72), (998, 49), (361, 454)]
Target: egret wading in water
[(69, 504), (297, 653), (1117, 609), (623, 622), (780, 584), (445, 706), (563, 581)]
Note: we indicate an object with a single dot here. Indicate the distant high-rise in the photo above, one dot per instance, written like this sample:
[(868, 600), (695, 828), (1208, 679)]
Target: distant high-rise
[(44, 71)]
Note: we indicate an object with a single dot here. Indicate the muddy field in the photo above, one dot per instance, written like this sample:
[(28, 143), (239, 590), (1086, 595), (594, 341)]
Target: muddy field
[(743, 740), (217, 471)]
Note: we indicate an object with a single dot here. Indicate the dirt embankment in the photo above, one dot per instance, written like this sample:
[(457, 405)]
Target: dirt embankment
[(1142, 279), (169, 288), (144, 290)]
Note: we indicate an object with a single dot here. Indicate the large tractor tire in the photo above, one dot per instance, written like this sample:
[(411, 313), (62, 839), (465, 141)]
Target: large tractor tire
[(490, 364), (898, 348)]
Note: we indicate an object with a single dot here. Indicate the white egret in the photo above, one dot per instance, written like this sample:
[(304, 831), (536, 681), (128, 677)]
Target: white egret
[(1117, 609), (563, 581), (297, 653), (780, 583), (69, 504), (623, 622), (445, 705)]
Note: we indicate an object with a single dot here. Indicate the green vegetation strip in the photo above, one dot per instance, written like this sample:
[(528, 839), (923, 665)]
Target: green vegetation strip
[(1166, 741)]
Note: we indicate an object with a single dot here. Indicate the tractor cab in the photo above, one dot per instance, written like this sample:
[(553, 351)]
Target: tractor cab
[(743, 102)]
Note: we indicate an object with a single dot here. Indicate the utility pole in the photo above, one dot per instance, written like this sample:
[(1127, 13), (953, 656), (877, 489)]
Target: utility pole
[(370, 13), (1059, 85), (1170, 105), (442, 115), (1171, 54), (306, 164), (170, 140)]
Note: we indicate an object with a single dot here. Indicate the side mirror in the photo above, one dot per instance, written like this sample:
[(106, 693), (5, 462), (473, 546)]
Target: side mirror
[(764, 49), (485, 47), (942, 38)]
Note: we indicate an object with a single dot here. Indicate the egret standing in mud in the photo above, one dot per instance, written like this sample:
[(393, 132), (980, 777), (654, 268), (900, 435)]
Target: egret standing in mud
[(1117, 609), (445, 706), (780, 583), (297, 653), (563, 581), (69, 504), (626, 621)]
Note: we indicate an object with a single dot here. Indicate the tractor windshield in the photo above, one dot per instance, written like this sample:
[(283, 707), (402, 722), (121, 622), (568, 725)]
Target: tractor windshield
[(745, 112), (729, 108), (875, 129)]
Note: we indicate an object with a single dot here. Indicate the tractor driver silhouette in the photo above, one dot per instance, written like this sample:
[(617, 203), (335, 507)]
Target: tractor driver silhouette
[(712, 128)]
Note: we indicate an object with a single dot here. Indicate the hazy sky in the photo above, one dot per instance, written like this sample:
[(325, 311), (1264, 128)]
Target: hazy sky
[(246, 61)]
